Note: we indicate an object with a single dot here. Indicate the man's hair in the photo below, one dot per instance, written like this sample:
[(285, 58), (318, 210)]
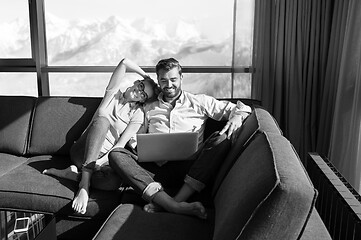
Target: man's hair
[(168, 64)]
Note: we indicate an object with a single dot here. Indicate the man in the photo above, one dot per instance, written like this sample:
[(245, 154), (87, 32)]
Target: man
[(179, 111)]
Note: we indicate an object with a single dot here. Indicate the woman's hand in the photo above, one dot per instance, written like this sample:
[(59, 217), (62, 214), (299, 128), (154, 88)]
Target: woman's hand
[(101, 161)]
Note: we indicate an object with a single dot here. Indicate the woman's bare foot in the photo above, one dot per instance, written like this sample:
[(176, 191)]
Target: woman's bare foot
[(70, 173), (152, 208), (80, 201)]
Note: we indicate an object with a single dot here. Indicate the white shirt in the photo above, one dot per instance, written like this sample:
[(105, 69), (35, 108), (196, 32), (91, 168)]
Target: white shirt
[(189, 113)]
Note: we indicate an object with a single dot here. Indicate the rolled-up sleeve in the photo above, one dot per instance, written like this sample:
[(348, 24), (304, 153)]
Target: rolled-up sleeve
[(240, 108), (223, 110)]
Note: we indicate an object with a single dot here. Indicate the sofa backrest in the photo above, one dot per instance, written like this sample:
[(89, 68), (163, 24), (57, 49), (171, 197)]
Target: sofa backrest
[(266, 122), (258, 121), (266, 194), (58, 122), (15, 117)]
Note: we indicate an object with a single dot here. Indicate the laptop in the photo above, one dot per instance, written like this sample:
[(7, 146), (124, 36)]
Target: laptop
[(153, 147)]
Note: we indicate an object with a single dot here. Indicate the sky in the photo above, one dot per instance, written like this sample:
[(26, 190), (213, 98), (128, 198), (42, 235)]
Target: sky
[(10, 10), (206, 14), (91, 8)]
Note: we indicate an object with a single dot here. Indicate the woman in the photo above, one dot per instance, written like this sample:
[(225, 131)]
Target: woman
[(115, 124)]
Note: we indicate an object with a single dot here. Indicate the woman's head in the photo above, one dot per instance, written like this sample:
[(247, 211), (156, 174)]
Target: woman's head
[(142, 91)]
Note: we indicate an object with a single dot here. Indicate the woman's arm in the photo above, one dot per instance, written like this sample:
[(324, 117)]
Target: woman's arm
[(129, 132), (116, 79), (120, 71)]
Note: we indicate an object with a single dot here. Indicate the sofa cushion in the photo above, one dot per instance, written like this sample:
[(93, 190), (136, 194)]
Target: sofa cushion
[(9, 162), (285, 212), (248, 183), (131, 222), (58, 122), (15, 112), (26, 188)]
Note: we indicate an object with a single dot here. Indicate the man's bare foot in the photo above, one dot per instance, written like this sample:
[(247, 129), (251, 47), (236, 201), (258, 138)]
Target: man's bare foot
[(152, 208), (70, 173), (195, 209), (80, 201)]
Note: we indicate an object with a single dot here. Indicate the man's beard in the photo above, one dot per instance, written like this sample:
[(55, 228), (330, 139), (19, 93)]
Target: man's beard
[(171, 92)]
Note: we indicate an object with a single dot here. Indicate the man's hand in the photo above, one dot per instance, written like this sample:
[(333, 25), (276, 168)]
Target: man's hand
[(233, 124)]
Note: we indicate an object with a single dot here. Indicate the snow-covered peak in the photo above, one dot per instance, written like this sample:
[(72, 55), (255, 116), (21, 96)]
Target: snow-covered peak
[(106, 41)]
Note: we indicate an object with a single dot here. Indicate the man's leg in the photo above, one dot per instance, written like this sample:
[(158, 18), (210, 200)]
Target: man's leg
[(205, 167), (124, 164)]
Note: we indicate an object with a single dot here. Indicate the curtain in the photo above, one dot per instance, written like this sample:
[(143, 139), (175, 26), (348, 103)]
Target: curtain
[(296, 56), (345, 149), (331, 76)]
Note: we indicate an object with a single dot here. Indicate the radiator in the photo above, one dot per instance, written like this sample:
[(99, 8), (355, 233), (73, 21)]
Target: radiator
[(338, 203)]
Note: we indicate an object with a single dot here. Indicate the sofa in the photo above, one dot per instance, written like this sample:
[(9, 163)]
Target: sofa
[(261, 191)]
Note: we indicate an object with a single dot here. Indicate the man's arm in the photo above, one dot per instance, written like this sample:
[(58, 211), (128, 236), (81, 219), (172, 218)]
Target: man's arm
[(236, 118)]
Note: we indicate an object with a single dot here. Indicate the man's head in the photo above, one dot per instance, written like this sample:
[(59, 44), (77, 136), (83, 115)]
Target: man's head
[(169, 75)]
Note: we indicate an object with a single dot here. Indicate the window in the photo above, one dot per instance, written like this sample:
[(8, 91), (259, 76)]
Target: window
[(211, 39), (197, 33), (20, 83), (78, 84), (15, 30)]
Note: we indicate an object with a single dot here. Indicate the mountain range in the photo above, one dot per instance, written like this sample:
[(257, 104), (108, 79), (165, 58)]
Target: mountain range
[(105, 42)]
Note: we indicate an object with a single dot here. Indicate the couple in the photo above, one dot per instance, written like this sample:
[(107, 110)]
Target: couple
[(104, 156)]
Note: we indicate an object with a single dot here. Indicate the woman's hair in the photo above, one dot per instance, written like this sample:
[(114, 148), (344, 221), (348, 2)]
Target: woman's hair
[(155, 88), (168, 64)]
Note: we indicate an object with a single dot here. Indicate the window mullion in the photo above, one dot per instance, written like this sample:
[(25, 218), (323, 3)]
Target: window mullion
[(38, 44), (233, 45)]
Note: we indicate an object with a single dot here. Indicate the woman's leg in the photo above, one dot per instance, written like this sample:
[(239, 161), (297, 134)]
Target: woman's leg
[(84, 154), (105, 179), (95, 138), (70, 173), (76, 156)]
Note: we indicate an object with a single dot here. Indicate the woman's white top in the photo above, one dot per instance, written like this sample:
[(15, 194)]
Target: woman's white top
[(120, 114)]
